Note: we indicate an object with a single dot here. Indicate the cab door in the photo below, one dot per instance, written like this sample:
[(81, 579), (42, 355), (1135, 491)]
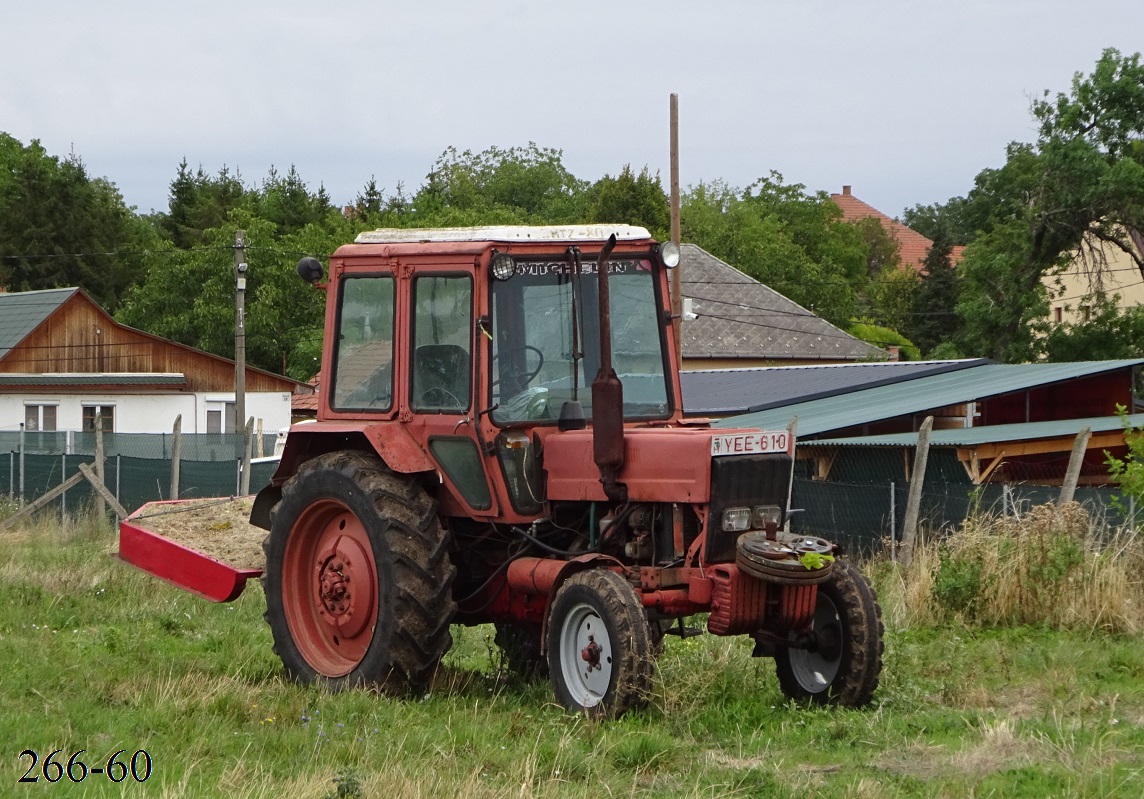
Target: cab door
[(441, 383)]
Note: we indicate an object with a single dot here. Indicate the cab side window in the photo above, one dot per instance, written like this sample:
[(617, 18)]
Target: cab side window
[(363, 360), (442, 344)]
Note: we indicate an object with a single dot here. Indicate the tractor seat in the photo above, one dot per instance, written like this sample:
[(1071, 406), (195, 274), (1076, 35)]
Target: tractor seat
[(441, 377)]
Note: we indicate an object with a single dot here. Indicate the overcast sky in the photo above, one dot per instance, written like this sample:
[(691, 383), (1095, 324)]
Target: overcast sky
[(906, 101)]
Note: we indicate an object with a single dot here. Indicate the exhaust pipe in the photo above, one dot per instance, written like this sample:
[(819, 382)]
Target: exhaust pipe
[(607, 394)]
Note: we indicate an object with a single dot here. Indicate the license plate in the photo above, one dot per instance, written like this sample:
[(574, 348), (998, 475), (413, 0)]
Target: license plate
[(750, 443)]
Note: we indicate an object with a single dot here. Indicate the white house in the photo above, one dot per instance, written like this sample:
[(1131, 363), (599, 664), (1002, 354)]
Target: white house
[(64, 361)]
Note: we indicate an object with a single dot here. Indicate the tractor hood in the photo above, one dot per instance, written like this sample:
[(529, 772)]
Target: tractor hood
[(660, 464)]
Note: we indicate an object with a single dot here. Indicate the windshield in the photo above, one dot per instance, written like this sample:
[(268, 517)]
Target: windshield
[(536, 320)]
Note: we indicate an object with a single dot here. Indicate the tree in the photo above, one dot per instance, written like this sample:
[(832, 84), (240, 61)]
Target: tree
[(885, 296), (884, 337), (521, 184), (792, 241), (1107, 334), (957, 220), (188, 295), (287, 202), (198, 202), (368, 205), (1078, 186), (934, 321), (59, 227), (631, 199)]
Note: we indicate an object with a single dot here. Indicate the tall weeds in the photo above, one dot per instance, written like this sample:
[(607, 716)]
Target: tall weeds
[(1056, 567)]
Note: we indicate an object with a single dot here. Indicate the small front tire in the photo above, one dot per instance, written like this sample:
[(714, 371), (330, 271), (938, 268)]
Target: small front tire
[(844, 661), (600, 652)]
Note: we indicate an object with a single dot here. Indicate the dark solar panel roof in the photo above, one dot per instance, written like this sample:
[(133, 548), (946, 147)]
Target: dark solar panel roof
[(716, 392)]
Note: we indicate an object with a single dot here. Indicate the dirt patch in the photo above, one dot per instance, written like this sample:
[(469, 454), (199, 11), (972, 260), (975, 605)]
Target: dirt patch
[(218, 528)]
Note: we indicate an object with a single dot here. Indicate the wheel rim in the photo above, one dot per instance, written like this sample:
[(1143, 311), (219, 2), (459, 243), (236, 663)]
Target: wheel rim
[(330, 588), (585, 655), (815, 669)]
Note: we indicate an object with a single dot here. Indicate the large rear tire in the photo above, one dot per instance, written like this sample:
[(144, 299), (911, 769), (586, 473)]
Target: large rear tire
[(600, 652), (843, 664), (358, 580)]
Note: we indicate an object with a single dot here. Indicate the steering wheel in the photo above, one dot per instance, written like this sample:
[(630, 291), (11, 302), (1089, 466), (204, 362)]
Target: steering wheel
[(440, 398), (525, 376)]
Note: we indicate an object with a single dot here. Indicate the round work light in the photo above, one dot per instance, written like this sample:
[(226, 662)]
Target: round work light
[(503, 266)]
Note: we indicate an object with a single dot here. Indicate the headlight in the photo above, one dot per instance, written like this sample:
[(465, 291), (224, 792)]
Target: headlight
[(503, 266), (669, 254), (736, 519), (766, 513)]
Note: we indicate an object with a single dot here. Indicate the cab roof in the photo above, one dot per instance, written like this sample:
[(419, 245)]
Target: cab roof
[(503, 233)]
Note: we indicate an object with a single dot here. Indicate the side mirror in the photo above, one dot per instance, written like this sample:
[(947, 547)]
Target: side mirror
[(310, 269)]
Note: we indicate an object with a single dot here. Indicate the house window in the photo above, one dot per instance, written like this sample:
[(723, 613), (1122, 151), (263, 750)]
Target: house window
[(1058, 314), (220, 417), (1086, 313), (40, 418), (106, 418)]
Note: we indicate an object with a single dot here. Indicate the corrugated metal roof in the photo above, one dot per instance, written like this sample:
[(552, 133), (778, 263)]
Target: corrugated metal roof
[(723, 391), (925, 393), (93, 379), (22, 312), (988, 434)]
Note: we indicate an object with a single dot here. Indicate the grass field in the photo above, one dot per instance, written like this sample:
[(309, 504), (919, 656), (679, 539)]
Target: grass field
[(97, 656)]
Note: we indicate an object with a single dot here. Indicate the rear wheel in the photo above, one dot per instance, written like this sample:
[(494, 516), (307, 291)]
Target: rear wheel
[(358, 579), (842, 660), (600, 654)]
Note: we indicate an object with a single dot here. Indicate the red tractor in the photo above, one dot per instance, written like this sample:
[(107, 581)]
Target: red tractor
[(500, 439)]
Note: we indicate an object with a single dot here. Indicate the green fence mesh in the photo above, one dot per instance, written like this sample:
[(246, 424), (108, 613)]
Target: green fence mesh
[(863, 517), (133, 481)]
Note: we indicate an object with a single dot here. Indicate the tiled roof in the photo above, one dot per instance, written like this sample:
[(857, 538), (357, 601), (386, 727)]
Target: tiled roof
[(307, 401), (913, 247), (24, 311), (739, 317)]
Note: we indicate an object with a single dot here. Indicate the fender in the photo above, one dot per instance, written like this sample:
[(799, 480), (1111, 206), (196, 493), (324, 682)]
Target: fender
[(545, 576), (391, 441)]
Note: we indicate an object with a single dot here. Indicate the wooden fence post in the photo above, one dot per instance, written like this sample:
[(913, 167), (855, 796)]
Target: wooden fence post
[(914, 501), (247, 435), (100, 509), (1072, 476), (792, 431), (176, 454)]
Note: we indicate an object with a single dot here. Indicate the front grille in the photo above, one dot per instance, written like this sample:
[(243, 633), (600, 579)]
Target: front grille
[(743, 481)]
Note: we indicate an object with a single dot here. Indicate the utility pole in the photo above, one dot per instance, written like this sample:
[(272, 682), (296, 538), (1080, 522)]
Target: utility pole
[(239, 329), (676, 278)]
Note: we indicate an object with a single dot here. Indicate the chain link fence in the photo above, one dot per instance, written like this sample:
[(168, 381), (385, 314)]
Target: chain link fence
[(137, 466), (868, 518)]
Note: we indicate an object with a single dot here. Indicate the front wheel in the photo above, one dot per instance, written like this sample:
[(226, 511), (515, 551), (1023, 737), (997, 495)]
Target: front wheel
[(840, 662), (599, 645)]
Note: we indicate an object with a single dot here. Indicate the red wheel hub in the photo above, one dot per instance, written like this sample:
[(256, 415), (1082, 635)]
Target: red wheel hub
[(345, 598), (330, 588), (591, 654)]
